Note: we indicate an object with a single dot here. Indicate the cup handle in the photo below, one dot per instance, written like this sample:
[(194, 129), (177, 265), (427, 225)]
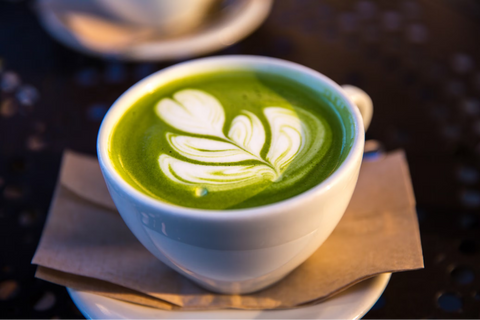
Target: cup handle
[(363, 102)]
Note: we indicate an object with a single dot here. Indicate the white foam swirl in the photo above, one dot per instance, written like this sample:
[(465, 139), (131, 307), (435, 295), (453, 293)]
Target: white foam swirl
[(214, 177), (194, 111), (287, 136), (208, 150), (197, 112), (247, 131)]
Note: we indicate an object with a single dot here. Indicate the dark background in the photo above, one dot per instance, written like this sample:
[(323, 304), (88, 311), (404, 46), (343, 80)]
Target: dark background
[(419, 61)]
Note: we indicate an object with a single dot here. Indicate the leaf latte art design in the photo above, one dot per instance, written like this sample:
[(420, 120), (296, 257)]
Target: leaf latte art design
[(219, 162)]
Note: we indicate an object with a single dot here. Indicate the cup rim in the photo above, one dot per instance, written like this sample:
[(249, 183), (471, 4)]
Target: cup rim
[(148, 84)]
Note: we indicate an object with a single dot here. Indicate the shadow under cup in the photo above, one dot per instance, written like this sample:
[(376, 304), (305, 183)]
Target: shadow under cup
[(241, 250)]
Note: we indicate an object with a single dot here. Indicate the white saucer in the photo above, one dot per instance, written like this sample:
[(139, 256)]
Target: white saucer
[(234, 23), (350, 304)]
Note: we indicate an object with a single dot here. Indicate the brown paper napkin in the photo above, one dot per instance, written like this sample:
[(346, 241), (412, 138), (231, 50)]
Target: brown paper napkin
[(87, 246)]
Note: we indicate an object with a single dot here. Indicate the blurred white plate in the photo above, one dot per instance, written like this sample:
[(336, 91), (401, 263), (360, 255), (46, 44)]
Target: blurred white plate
[(353, 303), (85, 32)]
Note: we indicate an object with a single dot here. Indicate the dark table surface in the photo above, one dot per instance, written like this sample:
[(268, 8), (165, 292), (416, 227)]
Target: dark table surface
[(419, 61)]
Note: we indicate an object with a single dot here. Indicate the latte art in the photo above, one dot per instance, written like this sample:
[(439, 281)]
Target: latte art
[(202, 118), (228, 140)]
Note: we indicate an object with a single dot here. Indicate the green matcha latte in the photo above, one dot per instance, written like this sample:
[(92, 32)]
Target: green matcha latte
[(229, 140)]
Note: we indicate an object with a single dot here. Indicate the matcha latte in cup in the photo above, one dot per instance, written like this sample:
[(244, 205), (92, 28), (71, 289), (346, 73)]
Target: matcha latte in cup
[(233, 170)]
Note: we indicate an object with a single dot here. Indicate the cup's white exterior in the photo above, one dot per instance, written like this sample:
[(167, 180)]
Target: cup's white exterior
[(234, 251), (175, 15)]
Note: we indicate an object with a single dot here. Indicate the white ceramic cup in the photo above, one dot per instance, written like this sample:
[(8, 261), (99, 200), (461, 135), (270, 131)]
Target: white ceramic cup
[(244, 250), (175, 14), (167, 16)]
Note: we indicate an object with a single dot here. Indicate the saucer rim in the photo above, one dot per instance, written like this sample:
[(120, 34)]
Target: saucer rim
[(375, 286), (251, 14)]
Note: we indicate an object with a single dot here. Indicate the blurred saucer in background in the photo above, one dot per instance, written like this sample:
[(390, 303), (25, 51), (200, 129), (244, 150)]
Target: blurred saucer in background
[(97, 28)]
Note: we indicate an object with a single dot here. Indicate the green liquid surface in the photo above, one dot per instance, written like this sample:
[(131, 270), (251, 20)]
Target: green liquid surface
[(147, 133)]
